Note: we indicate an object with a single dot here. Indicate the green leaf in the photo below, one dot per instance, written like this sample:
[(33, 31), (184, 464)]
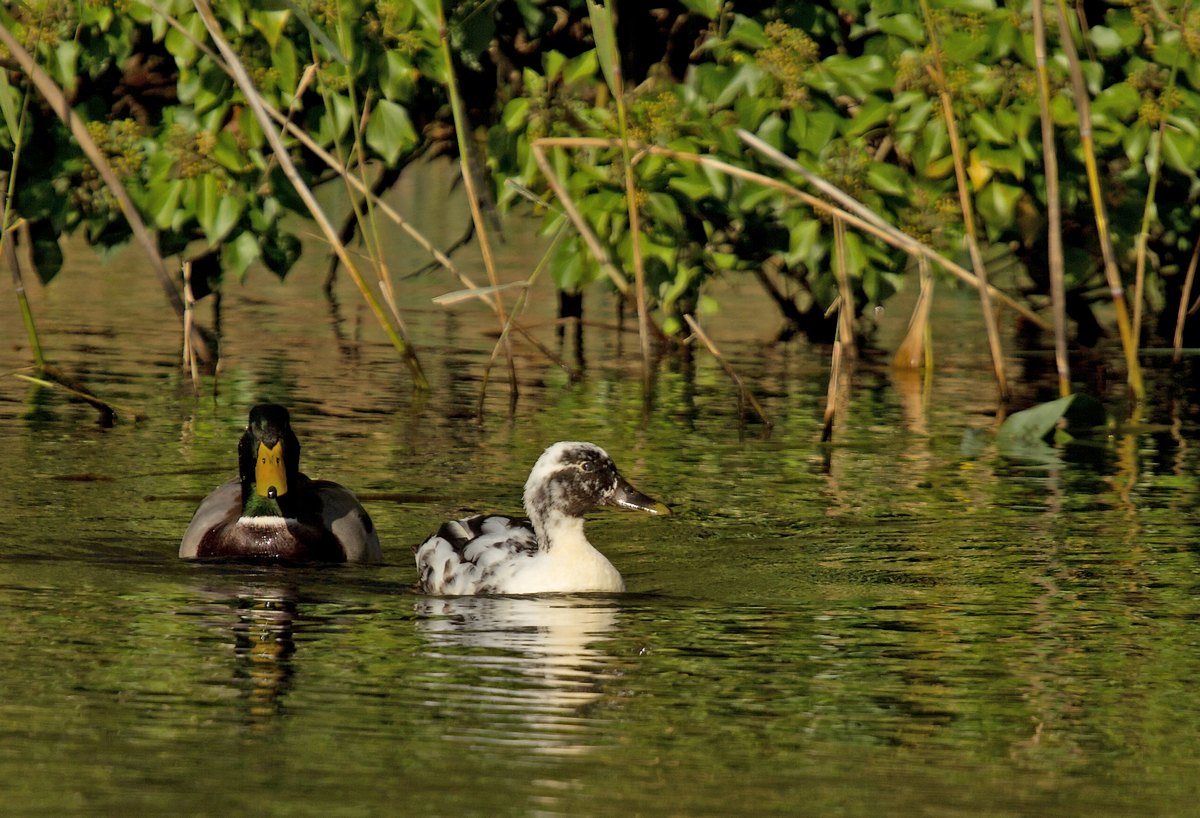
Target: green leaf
[(989, 129), (707, 8), (1179, 151), (906, 26), (390, 131), (237, 255), (871, 114), (318, 34), (997, 203), (888, 179), (271, 24), (216, 210), (181, 47), (162, 202), (813, 131), (604, 35), (1119, 101), (1107, 42), (8, 105), (45, 252), (397, 81), (665, 210), (516, 112), (284, 61), (579, 68), (66, 63), (1029, 427), (1136, 140)]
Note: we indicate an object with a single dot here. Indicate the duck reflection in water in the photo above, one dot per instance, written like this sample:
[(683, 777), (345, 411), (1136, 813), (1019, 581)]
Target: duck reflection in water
[(261, 617), (530, 667)]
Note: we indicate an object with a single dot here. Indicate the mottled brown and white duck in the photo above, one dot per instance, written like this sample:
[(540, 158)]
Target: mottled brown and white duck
[(546, 553)]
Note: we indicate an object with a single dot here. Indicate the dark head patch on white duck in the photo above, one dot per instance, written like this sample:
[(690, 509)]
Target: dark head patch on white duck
[(570, 479)]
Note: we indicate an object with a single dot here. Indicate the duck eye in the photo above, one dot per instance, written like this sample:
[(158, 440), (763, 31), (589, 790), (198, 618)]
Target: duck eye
[(588, 465)]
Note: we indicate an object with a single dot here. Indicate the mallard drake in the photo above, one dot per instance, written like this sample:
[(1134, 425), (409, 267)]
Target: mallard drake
[(272, 511), (546, 553)]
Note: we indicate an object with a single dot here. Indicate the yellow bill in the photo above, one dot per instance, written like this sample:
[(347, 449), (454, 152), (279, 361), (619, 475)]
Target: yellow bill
[(270, 478)]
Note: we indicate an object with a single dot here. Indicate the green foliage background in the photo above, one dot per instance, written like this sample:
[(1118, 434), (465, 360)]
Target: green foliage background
[(844, 87)]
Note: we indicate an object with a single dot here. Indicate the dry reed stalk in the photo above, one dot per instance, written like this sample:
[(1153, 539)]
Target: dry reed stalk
[(254, 101), (468, 177), (845, 295), (57, 100), (9, 252), (332, 162), (852, 211), (743, 392), (835, 374), (604, 35), (1184, 295), (938, 74), (342, 171), (871, 224), (1054, 253), (585, 230), (1111, 272), (189, 304), (1155, 157), (916, 348), (518, 308)]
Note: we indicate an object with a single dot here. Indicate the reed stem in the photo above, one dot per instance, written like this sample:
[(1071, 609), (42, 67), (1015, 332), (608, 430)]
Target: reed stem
[(938, 73), (1184, 295), (57, 100), (8, 249), (1154, 156), (1054, 253), (465, 152), (254, 101), (604, 31), (1111, 272), (845, 295)]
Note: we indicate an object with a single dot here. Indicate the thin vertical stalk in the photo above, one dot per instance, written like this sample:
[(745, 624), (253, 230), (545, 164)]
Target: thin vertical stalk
[(614, 273), (604, 34), (845, 330), (1155, 166), (916, 350), (57, 100), (9, 251), (854, 212), (189, 304), (254, 101), (468, 176), (1111, 272), (964, 199), (1184, 295), (1054, 253), (8, 248), (835, 374)]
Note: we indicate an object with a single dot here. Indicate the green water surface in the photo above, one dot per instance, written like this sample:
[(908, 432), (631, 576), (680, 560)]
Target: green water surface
[(904, 623)]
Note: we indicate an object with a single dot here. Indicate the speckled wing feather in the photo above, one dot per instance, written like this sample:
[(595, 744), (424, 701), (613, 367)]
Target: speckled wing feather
[(474, 555)]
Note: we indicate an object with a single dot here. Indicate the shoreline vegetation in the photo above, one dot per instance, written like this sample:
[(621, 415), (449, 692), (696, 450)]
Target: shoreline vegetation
[(1042, 154)]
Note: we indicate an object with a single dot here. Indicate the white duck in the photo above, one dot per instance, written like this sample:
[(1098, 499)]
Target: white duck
[(548, 553)]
